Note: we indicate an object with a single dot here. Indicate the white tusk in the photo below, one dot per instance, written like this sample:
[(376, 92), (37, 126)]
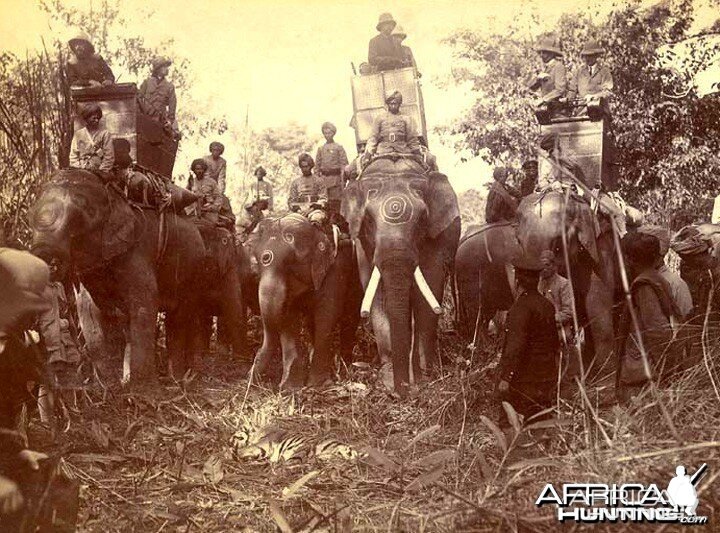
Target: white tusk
[(370, 293), (426, 292)]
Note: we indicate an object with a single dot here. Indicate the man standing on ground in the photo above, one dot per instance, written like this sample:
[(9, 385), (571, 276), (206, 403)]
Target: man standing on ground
[(530, 357)]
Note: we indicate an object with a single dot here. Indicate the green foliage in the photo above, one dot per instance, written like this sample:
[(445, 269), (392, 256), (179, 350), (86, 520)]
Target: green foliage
[(667, 146)]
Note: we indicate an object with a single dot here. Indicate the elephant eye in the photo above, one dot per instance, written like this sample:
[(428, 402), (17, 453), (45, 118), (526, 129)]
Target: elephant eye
[(372, 193), (416, 192)]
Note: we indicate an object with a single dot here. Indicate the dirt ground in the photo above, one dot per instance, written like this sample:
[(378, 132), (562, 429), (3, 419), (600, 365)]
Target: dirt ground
[(171, 459)]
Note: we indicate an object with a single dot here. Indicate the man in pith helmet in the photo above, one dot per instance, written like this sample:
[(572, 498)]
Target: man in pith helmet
[(384, 53)]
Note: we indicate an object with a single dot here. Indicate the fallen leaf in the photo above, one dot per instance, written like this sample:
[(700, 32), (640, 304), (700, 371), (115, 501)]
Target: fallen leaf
[(100, 432), (279, 518), (499, 435), (378, 458), (291, 489), (425, 479), (435, 458), (512, 416), (213, 469), (425, 433)]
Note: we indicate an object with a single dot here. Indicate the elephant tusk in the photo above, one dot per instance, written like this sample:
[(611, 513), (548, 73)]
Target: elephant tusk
[(426, 291), (370, 293)]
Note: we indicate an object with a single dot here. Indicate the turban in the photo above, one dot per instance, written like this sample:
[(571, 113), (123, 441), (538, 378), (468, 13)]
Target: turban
[(88, 110), (123, 160), (689, 241), (395, 95), (308, 158), (662, 235), (216, 144), (23, 278), (329, 126), (260, 170), (499, 172), (549, 254), (548, 141), (530, 164), (200, 162)]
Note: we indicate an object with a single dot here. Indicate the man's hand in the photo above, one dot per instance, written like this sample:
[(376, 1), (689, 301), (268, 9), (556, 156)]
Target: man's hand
[(32, 458), (10, 497), (539, 102), (107, 82)]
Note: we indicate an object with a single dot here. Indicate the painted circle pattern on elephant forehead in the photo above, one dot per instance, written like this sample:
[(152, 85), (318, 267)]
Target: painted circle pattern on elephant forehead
[(397, 209), (267, 257), (288, 238)]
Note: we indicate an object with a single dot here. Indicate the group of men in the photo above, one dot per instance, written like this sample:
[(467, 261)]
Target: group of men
[(156, 95), (540, 326)]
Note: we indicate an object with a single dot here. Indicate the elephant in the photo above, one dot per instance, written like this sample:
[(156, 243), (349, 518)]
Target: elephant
[(481, 275), (405, 223), (541, 218), (302, 273), (224, 266), (131, 263)]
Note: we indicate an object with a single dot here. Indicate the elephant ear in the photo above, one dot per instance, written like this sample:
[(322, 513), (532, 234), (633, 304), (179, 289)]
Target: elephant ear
[(352, 206), (442, 204), (118, 231), (322, 259)]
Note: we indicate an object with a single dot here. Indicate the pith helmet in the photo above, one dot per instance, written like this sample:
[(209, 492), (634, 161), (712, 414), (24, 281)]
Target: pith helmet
[(384, 18), (592, 48), (160, 61), (81, 36), (549, 43), (399, 31)]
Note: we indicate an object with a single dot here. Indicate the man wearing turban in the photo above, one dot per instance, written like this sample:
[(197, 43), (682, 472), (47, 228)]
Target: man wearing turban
[(679, 289), (330, 160), (393, 132), (308, 194), (92, 146), (217, 166)]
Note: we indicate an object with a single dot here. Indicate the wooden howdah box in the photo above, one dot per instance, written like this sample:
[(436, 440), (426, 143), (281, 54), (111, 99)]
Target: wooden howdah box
[(150, 146)]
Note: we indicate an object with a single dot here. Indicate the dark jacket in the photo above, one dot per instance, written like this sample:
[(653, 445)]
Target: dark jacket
[(384, 53), (531, 350), (502, 203), (81, 71)]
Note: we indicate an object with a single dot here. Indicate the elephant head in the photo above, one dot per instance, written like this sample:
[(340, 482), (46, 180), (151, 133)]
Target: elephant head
[(397, 214), (545, 219), (293, 258), (77, 219)]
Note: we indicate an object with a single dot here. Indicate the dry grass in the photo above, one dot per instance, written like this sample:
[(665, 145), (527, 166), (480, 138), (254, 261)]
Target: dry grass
[(162, 461)]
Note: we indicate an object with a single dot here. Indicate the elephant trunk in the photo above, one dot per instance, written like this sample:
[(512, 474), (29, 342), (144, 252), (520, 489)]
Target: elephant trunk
[(272, 295), (49, 247), (397, 283)]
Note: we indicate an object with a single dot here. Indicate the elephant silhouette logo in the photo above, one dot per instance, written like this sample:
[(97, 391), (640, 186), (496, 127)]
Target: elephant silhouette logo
[(397, 209)]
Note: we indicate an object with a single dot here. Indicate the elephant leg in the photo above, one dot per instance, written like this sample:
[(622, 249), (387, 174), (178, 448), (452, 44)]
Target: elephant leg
[(293, 355), (232, 316), (326, 316), (178, 332), (142, 305)]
